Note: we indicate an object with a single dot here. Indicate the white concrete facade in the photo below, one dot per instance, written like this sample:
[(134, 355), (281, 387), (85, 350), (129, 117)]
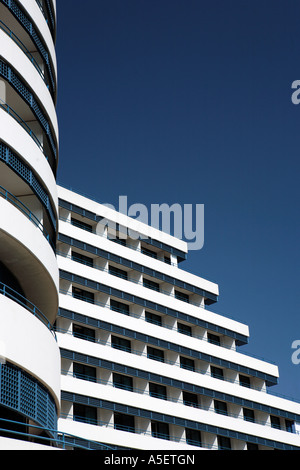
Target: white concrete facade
[(29, 277), (116, 392)]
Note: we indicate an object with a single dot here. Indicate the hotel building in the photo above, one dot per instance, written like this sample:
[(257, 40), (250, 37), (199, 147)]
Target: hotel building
[(29, 276), (105, 341), (145, 362)]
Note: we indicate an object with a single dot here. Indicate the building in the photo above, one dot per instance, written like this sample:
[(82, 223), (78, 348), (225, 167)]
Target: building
[(105, 342), (29, 280), (145, 363)]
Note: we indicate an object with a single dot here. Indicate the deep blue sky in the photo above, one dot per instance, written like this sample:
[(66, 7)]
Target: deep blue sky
[(189, 101)]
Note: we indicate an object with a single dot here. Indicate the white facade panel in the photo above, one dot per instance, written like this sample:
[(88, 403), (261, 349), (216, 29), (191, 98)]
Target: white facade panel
[(29, 344), (12, 54), (37, 17)]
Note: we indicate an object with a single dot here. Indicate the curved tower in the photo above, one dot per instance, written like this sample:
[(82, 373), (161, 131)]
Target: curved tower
[(29, 369)]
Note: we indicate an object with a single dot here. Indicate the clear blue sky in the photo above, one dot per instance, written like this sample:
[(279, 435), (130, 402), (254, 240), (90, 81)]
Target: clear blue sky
[(189, 101)]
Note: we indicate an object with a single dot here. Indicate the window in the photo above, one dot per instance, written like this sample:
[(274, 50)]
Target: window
[(83, 225), (156, 354), (184, 329), (214, 339), (83, 332), (167, 259), (193, 437), (82, 371), (84, 413), (252, 446), (117, 239), (220, 407), (181, 296), (157, 391), (275, 422), (190, 399), (216, 372), (150, 284), (148, 252), (248, 415), (244, 380), (118, 272), (224, 443), (119, 307), (122, 381), (289, 425), (186, 363), (82, 259), (123, 422), (84, 295), (120, 343), (153, 318), (160, 430)]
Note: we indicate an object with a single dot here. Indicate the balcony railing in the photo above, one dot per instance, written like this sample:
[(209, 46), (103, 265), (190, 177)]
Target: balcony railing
[(22, 123), (50, 21), (21, 300), (60, 440), (30, 28), (104, 269), (180, 401), (27, 212), (140, 431), (22, 46), (236, 381)]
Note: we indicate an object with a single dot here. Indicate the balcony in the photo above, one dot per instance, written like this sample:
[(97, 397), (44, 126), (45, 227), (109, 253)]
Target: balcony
[(29, 117)]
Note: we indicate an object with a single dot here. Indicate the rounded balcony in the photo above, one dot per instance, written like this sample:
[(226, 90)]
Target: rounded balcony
[(29, 370), (32, 35), (28, 257)]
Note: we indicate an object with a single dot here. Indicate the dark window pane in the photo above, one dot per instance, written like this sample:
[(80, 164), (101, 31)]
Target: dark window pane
[(151, 284), (153, 318), (160, 430), (248, 415), (123, 422), (82, 371), (186, 363), (156, 354), (82, 258), (122, 381), (224, 443), (120, 343), (84, 295), (289, 425), (252, 446), (244, 380), (193, 437), (84, 413), (275, 422), (184, 329), (119, 307), (148, 252), (117, 239), (83, 332), (220, 407), (157, 391), (181, 296), (214, 339), (83, 225), (118, 272), (190, 399), (216, 372)]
